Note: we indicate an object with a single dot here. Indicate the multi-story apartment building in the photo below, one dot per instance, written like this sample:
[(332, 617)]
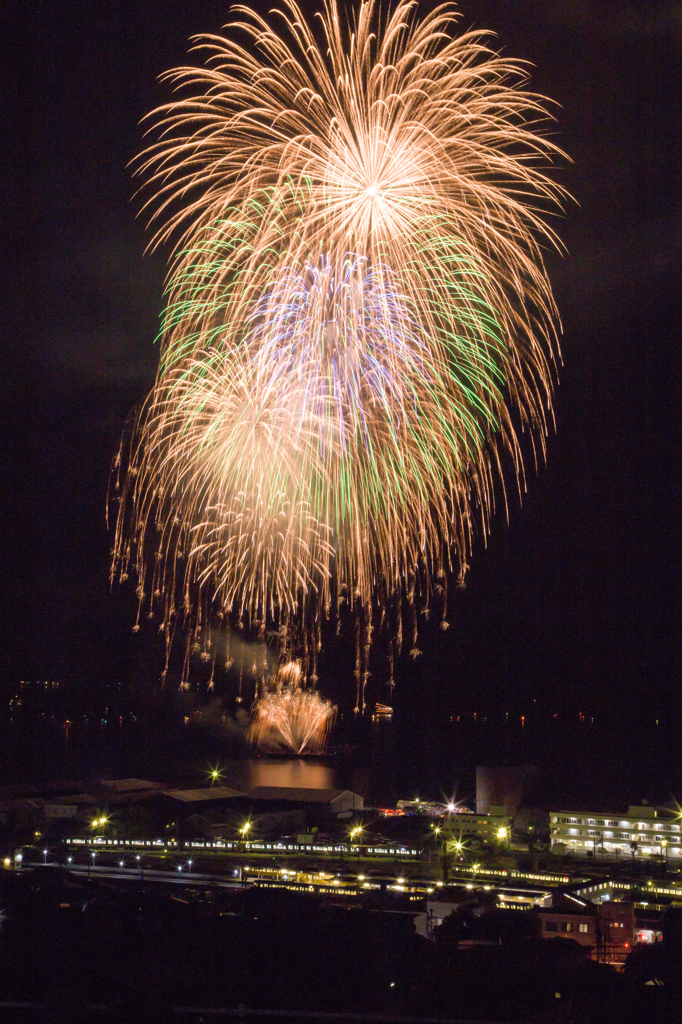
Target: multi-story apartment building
[(642, 832)]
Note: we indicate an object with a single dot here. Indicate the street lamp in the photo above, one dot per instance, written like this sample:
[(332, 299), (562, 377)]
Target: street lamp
[(92, 862), (436, 838), (45, 855)]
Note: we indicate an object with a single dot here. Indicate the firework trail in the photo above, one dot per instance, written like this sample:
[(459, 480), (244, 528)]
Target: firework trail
[(289, 717), (357, 315)]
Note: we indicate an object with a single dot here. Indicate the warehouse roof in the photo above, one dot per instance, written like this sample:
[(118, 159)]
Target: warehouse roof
[(189, 796), (131, 785), (311, 796)]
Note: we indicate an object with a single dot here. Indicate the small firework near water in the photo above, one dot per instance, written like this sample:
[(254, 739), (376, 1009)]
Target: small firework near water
[(291, 718)]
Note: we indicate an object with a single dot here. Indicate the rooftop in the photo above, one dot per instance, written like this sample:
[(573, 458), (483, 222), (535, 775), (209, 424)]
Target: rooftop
[(188, 796), (130, 785), (312, 796)]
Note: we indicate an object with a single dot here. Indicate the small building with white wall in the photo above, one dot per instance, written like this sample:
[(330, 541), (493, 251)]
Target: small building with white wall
[(494, 828)]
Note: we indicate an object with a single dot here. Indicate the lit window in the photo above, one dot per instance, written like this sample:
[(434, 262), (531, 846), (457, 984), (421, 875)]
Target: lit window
[(566, 926), (582, 927)]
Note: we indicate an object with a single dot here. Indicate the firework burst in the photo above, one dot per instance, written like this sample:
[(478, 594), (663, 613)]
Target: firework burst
[(289, 717), (357, 305)]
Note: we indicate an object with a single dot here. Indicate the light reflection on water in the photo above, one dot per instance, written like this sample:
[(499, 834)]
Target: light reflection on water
[(299, 773)]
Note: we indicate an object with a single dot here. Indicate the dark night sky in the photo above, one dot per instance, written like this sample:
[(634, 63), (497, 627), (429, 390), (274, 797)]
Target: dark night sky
[(575, 602)]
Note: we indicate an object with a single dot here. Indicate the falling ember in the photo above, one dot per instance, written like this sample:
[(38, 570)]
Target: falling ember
[(289, 717)]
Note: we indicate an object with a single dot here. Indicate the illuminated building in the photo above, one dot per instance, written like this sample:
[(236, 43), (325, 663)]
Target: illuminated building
[(644, 832), (487, 828)]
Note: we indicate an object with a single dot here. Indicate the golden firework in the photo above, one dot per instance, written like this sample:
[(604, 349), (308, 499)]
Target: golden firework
[(289, 717), (358, 314)]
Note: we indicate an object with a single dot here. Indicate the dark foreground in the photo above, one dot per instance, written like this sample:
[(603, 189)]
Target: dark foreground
[(94, 951)]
